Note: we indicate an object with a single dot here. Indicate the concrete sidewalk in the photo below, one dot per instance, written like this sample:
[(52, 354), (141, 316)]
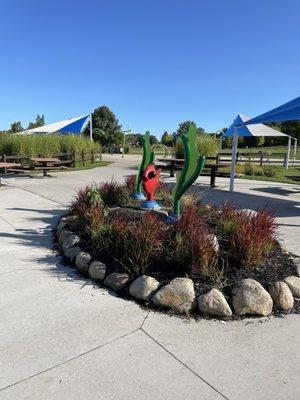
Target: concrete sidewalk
[(63, 338)]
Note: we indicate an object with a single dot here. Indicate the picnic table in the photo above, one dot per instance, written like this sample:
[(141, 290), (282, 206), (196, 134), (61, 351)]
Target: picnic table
[(45, 164), (174, 164), (4, 166)]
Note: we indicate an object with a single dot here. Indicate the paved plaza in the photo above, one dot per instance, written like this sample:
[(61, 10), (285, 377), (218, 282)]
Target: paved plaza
[(61, 337)]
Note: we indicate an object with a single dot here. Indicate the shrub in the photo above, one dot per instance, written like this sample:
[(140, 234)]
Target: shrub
[(46, 145), (191, 246), (206, 144), (112, 193), (142, 244), (269, 171), (248, 237), (254, 240), (130, 183), (89, 210)]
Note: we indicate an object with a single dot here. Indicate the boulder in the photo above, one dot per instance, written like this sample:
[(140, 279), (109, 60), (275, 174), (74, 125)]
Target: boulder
[(249, 297), (82, 261), (116, 280), (282, 296), (297, 266), (143, 287), (70, 218), (178, 296), (62, 225), (70, 241), (214, 303), (72, 252), (293, 283), (63, 235), (97, 270)]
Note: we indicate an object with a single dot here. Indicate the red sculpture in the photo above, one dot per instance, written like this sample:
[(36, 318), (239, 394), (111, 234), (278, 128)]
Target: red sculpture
[(150, 181)]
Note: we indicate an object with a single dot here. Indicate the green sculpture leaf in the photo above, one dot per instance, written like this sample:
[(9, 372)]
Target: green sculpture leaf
[(192, 167), (148, 158)]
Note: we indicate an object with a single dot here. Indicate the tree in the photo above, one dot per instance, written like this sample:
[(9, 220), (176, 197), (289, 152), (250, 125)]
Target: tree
[(39, 121), (167, 139), (16, 127), (153, 140), (183, 127), (106, 128)]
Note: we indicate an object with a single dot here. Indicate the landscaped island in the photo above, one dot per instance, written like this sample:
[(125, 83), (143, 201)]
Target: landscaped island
[(213, 261)]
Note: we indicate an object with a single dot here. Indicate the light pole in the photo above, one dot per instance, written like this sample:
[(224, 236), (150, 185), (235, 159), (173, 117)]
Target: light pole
[(124, 133)]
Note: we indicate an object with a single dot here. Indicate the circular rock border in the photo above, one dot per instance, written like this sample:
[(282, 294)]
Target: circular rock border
[(248, 297)]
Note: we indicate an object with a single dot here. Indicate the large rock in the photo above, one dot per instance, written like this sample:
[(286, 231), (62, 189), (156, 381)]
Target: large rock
[(116, 280), (62, 225), (82, 261), (282, 296), (178, 296), (97, 270), (214, 303), (143, 287), (297, 266), (72, 252), (249, 297), (70, 241), (63, 235), (293, 283)]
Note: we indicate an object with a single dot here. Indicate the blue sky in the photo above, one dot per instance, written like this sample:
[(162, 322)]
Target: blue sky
[(154, 63)]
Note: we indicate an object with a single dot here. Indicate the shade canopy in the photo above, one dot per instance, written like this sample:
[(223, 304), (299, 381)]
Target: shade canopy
[(250, 130), (73, 125), (286, 112)]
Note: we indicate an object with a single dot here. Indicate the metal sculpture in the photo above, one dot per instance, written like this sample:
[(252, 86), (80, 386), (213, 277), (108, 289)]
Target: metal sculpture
[(192, 168), (150, 180), (148, 158)]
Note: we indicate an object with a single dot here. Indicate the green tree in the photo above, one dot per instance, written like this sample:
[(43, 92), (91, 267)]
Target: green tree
[(106, 128), (167, 139), (16, 127), (153, 140), (39, 121)]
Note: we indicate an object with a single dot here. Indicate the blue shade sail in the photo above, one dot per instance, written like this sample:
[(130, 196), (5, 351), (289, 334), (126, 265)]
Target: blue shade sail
[(286, 112)]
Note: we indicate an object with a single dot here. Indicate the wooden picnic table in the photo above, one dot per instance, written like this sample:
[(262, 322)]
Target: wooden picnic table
[(45, 164), (177, 163), (8, 165)]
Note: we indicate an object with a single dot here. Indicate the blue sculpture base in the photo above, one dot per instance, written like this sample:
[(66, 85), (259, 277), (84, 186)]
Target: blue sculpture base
[(150, 205), (173, 218), (139, 196)]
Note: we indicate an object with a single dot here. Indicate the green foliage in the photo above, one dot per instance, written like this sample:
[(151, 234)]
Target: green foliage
[(39, 121), (192, 167), (183, 128), (106, 128), (46, 145), (206, 145), (16, 127), (167, 139), (148, 158)]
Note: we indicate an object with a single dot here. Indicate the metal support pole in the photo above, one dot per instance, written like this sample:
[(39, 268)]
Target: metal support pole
[(91, 128), (295, 151), (233, 158), (288, 153)]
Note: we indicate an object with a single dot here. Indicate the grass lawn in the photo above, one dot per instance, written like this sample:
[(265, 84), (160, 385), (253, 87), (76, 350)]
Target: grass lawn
[(89, 165), (271, 173), (274, 150)]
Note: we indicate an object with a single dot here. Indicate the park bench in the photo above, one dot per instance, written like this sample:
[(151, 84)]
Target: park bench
[(175, 164)]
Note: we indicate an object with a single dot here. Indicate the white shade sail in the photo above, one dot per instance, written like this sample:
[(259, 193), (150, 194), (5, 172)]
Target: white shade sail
[(72, 125), (250, 130)]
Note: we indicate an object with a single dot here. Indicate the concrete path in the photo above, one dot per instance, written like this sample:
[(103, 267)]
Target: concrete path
[(63, 338)]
